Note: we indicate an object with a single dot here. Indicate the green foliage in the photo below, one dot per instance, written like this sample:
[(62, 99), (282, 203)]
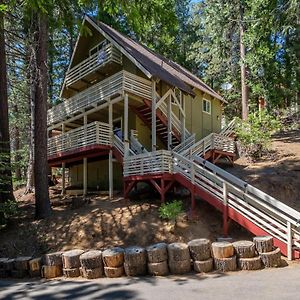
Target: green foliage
[(171, 210), (8, 209), (255, 133), (272, 42)]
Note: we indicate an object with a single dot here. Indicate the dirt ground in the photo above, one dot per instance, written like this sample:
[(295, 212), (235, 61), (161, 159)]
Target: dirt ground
[(277, 173), (100, 223)]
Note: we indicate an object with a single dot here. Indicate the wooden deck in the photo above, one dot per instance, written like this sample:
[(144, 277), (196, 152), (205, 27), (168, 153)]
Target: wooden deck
[(99, 94), (108, 54)]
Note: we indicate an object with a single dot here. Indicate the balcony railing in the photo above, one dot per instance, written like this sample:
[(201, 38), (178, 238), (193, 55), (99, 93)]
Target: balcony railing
[(96, 133), (104, 56), (160, 161), (99, 94)]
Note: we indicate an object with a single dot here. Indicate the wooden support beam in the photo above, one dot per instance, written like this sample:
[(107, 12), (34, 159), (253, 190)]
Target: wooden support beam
[(163, 192), (169, 116), (110, 174), (153, 116), (110, 156), (126, 138), (182, 117), (163, 98), (63, 183), (225, 209), (84, 176)]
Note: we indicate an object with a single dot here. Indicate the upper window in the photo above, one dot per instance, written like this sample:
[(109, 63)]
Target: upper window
[(98, 47), (206, 106)]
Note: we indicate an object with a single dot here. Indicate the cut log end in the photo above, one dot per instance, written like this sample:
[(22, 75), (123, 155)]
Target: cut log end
[(158, 269), (113, 257), (271, 259), (114, 272), (225, 264), (263, 244), (204, 266), (157, 253), (200, 249), (253, 263), (222, 249), (244, 249), (178, 252)]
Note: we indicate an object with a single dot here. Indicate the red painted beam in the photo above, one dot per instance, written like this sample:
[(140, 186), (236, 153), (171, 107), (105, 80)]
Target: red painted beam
[(81, 152)]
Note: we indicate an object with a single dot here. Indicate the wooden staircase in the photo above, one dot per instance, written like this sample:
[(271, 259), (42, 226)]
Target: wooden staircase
[(250, 207), (144, 113)]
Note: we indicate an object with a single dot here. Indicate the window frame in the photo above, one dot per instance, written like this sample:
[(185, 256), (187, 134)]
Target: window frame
[(204, 106)]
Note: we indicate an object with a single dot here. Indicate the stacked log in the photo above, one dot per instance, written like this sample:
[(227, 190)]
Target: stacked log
[(35, 267), (53, 265), (3, 272), (179, 258), (135, 261), (270, 256), (21, 267), (71, 263), (91, 264), (200, 251), (157, 256), (113, 260), (246, 255), (224, 258)]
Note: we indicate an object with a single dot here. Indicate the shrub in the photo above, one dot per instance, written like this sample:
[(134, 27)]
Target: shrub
[(255, 133), (7, 210), (171, 210)]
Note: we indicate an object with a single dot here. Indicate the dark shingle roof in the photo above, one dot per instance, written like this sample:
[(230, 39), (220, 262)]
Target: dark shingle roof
[(157, 65)]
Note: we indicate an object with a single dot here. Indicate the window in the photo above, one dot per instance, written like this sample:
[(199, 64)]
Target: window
[(97, 47), (206, 106)]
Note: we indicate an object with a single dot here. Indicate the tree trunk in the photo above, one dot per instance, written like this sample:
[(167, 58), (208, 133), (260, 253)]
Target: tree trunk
[(17, 157), (244, 87), (31, 77), (29, 173), (6, 191), (42, 201)]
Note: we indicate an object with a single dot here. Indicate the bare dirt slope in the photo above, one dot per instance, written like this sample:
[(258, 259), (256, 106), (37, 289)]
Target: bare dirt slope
[(102, 223), (277, 173)]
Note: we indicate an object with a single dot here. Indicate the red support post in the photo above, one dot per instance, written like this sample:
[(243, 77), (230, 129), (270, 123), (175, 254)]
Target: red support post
[(162, 190)]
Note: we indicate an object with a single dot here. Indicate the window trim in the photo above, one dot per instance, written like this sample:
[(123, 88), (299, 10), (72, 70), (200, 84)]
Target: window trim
[(203, 106)]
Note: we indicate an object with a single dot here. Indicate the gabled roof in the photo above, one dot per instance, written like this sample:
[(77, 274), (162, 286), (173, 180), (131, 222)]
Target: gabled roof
[(153, 65)]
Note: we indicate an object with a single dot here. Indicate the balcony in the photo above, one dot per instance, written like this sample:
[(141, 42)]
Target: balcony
[(108, 54), (99, 93), (93, 136)]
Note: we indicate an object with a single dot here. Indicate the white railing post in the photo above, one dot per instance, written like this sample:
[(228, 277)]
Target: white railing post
[(289, 241), (212, 142), (192, 173), (153, 116), (169, 111), (97, 133), (225, 208)]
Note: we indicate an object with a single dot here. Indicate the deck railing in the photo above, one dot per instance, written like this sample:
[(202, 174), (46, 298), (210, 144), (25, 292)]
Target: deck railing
[(96, 133), (273, 216), (99, 94), (176, 123), (149, 163), (266, 212), (105, 55), (213, 141)]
